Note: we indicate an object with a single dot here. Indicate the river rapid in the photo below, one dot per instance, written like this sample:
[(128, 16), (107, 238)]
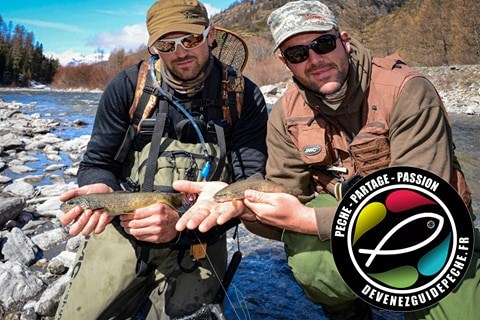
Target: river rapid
[(263, 287)]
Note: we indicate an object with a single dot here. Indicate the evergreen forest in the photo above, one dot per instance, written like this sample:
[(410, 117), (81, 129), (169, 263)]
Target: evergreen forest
[(21, 58)]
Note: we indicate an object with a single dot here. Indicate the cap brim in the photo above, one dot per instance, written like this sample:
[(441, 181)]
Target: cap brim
[(184, 27), (302, 29)]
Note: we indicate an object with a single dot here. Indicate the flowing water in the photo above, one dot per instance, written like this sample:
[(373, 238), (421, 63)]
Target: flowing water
[(263, 287)]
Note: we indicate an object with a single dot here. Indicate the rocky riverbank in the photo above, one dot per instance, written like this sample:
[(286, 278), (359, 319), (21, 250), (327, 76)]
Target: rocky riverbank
[(36, 252), (459, 87)]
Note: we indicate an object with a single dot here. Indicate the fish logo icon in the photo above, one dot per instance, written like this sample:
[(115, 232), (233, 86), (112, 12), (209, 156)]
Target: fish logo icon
[(402, 240)]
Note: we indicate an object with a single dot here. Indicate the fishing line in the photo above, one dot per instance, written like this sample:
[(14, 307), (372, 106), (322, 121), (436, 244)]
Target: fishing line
[(243, 306), (159, 91), (217, 275), (242, 302)]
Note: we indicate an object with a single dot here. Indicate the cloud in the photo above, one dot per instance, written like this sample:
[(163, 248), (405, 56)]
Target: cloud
[(118, 12), (48, 24), (130, 38), (136, 10)]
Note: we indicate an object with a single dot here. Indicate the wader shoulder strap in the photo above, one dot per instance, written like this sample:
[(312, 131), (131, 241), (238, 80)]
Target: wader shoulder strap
[(143, 103), (145, 99), (126, 145), (151, 169), (142, 266)]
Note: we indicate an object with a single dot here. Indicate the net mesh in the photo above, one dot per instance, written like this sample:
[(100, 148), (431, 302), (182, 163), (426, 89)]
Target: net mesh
[(207, 312), (230, 48)]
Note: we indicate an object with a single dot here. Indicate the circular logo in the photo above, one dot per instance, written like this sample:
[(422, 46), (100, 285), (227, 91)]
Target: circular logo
[(402, 238)]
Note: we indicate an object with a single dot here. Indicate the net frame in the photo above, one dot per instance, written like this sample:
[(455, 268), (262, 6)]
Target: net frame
[(230, 48)]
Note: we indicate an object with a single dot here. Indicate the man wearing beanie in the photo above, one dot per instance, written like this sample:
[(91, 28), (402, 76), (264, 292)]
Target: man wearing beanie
[(345, 116), (182, 115)]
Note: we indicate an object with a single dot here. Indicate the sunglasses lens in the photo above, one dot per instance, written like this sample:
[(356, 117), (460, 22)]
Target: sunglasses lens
[(322, 45), (296, 54), (165, 46), (192, 41)]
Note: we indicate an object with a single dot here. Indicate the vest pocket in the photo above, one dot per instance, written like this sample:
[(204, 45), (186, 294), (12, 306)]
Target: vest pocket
[(310, 142), (370, 150)]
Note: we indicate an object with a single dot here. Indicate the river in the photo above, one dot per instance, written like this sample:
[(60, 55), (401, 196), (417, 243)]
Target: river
[(263, 287)]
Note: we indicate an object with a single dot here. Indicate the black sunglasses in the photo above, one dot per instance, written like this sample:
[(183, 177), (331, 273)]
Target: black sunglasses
[(324, 44)]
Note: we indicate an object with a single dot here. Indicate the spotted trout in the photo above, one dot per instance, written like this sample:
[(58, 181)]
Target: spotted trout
[(236, 190), (121, 202)]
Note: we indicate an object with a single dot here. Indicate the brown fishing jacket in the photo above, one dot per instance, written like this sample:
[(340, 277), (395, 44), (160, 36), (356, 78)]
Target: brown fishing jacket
[(391, 116)]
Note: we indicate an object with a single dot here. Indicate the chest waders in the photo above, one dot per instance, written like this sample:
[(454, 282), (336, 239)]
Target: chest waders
[(153, 160), (155, 165)]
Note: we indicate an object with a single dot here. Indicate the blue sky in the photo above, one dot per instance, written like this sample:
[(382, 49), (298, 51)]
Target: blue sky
[(70, 29)]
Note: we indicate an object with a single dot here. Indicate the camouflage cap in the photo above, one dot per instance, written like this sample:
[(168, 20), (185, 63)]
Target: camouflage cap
[(165, 16), (300, 16)]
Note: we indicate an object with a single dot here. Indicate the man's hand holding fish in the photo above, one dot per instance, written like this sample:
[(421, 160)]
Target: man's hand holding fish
[(154, 223), (85, 221), (206, 213), (251, 199), (281, 210), (147, 216)]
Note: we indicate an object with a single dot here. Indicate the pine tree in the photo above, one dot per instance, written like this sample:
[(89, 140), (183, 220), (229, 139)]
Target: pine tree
[(21, 59)]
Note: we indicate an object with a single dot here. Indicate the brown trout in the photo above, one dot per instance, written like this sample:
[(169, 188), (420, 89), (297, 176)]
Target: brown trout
[(120, 202), (236, 190)]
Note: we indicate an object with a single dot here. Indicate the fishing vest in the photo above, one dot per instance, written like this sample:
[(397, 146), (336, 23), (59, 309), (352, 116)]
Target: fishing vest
[(340, 159), (153, 159)]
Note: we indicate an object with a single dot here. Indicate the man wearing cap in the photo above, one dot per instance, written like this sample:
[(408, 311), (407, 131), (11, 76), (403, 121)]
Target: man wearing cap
[(137, 265), (336, 82), (346, 115)]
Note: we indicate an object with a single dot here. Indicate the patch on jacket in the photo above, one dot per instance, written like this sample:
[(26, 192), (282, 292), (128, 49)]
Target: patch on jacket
[(312, 150)]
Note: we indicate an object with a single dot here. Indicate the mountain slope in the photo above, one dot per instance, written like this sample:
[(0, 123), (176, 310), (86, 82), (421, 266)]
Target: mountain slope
[(424, 32)]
